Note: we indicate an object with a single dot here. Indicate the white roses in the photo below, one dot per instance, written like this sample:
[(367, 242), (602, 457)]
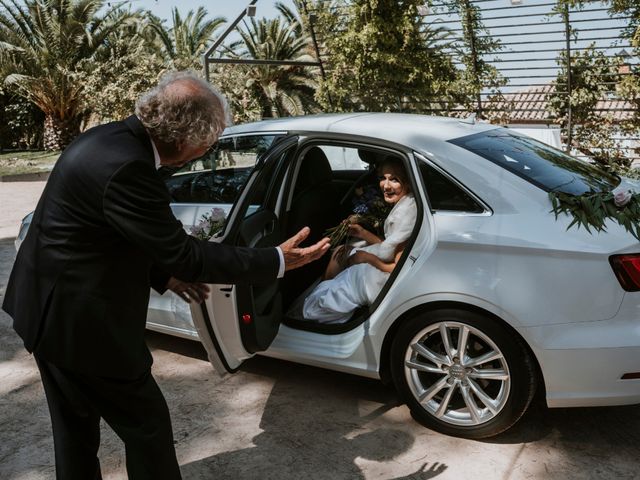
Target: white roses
[(621, 197)]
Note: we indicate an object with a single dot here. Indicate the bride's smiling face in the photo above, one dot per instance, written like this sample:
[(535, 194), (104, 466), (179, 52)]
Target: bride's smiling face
[(392, 183)]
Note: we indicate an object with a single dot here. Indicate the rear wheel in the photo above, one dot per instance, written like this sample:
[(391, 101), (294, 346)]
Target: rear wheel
[(462, 373)]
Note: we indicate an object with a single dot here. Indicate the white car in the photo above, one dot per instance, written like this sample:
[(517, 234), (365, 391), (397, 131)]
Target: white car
[(493, 297)]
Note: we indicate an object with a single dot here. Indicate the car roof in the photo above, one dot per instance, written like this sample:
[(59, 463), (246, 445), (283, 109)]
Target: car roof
[(407, 129)]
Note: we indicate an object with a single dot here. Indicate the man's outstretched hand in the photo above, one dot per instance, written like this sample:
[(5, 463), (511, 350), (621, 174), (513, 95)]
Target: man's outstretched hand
[(295, 257)]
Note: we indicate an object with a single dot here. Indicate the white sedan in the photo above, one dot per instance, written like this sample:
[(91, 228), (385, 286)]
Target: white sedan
[(492, 299)]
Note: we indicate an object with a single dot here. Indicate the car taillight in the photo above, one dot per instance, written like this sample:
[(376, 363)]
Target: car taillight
[(627, 269)]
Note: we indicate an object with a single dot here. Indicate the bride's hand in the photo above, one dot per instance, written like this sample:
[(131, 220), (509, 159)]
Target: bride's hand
[(356, 230), (341, 255)]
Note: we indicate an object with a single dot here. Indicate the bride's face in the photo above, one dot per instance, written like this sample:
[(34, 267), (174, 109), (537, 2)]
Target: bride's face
[(391, 183)]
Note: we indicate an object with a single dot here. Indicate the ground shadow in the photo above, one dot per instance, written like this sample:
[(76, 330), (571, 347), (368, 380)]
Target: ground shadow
[(332, 429), (181, 346), (313, 426)]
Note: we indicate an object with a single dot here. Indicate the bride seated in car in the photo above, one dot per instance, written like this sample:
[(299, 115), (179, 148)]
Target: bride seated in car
[(357, 272)]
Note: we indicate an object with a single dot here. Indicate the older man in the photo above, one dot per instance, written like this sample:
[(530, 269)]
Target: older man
[(102, 234)]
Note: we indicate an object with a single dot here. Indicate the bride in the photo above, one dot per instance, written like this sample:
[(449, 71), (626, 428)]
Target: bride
[(354, 280)]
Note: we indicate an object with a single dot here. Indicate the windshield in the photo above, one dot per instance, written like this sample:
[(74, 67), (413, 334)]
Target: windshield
[(537, 162)]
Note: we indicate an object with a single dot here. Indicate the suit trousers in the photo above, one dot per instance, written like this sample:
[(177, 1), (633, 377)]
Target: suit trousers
[(135, 409)]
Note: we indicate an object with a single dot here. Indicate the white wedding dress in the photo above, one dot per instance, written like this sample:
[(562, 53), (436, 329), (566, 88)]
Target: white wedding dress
[(333, 301)]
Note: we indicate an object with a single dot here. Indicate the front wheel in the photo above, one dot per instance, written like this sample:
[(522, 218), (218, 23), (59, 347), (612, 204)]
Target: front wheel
[(462, 373)]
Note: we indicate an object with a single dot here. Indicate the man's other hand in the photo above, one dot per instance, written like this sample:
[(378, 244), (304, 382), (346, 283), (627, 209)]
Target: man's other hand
[(189, 292), (295, 257)]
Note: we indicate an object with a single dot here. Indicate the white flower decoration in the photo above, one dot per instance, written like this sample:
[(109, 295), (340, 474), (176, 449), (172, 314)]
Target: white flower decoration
[(621, 197)]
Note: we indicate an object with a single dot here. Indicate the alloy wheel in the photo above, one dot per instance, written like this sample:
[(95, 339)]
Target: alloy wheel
[(457, 373)]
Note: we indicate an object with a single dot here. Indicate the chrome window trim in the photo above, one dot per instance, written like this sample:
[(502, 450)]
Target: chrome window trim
[(252, 134)]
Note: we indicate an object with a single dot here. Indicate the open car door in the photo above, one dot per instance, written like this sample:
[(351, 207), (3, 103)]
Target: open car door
[(235, 322)]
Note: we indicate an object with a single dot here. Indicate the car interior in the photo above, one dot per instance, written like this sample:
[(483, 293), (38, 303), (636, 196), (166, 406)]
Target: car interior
[(326, 182)]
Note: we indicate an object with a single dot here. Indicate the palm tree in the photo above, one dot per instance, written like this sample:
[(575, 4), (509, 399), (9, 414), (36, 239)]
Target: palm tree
[(184, 43), (281, 90), (42, 43)]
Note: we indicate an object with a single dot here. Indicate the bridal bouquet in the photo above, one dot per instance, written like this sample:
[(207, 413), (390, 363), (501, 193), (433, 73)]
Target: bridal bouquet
[(369, 211), (211, 224)]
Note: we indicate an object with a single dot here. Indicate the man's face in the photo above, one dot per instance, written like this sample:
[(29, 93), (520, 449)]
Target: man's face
[(184, 155)]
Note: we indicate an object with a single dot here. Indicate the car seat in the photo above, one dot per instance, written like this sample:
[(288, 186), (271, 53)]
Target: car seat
[(315, 204)]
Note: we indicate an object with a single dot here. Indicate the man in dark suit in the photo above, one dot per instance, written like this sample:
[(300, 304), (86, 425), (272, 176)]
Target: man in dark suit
[(103, 233)]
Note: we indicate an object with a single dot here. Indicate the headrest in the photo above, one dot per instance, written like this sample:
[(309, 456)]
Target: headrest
[(368, 156), (315, 169)]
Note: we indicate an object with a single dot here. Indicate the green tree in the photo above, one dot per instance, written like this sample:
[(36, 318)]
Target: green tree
[(130, 64), (21, 122), (472, 47), (112, 86), (279, 90), (628, 84), (184, 43), (629, 87), (42, 44), (381, 56), (237, 84), (594, 132)]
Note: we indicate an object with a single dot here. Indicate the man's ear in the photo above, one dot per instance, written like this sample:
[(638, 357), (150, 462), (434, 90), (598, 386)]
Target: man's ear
[(168, 150), (179, 145)]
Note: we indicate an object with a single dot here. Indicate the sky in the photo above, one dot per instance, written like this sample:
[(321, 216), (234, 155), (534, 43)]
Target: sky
[(215, 8)]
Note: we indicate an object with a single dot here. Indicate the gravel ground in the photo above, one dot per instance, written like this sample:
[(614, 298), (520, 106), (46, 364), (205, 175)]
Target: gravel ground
[(16, 200), (278, 420)]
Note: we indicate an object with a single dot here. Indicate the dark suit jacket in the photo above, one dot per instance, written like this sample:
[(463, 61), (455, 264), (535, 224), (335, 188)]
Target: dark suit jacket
[(79, 289)]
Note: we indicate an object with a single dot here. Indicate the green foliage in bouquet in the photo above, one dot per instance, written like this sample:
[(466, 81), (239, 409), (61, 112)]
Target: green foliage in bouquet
[(369, 211), (593, 209)]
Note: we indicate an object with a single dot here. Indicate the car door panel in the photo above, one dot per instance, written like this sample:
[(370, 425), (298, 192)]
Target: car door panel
[(239, 320)]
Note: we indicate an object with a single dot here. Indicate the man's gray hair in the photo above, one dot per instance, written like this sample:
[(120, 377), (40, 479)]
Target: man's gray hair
[(183, 108)]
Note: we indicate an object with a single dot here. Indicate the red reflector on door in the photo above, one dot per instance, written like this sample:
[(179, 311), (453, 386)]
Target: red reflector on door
[(627, 270), (246, 318)]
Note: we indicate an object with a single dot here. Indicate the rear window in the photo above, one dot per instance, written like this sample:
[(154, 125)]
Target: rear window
[(538, 163)]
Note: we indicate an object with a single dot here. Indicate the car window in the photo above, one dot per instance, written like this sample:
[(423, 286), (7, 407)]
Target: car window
[(219, 176), (538, 163), (344, 158), (444, 194), (349, 169)]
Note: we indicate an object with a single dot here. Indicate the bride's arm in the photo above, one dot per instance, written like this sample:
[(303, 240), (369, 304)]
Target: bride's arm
[(358, 231), (366, 257)]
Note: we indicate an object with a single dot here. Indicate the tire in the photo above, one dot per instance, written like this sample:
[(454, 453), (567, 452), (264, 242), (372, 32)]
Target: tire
[(476, 395)]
